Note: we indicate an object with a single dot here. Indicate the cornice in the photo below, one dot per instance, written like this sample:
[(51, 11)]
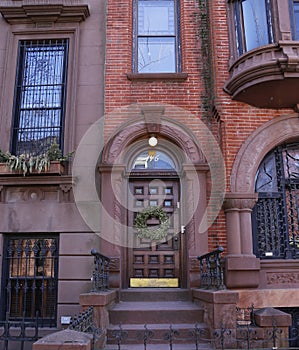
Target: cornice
[(36, 13)]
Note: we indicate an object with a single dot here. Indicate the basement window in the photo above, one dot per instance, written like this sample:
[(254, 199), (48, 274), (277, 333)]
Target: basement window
[(30, 276)]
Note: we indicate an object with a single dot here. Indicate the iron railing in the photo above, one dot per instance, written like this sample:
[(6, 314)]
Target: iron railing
[(211, 270), (85, 323), (100, 274), (247, 336), (21, 331)]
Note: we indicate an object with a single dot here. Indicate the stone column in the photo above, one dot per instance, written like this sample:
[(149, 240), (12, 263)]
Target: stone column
[(242, 267)]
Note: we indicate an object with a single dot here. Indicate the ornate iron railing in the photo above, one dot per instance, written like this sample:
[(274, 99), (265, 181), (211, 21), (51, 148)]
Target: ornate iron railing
[(211, 270), (100, 274), (244, 336), (85, 323), (21, 331)]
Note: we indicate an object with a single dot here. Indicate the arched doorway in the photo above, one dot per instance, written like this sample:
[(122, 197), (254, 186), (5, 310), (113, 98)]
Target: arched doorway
[(123, 172), (155, 253)]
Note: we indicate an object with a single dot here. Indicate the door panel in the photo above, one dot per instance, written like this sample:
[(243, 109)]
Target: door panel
[(155, 259)]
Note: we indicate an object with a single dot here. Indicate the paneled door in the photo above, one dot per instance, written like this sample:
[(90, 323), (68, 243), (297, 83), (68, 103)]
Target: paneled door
[(154, 263)]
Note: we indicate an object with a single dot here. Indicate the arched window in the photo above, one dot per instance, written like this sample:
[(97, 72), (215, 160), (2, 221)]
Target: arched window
[(275, 216), (153, 160)]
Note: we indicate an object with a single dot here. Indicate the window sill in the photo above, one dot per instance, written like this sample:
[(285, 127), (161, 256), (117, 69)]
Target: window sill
[(157, 76)]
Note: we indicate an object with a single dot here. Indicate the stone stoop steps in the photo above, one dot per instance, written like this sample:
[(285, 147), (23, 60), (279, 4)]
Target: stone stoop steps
[(157, 308)]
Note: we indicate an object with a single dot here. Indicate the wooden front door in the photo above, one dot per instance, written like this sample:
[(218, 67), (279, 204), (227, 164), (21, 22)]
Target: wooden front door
[(155, 263)]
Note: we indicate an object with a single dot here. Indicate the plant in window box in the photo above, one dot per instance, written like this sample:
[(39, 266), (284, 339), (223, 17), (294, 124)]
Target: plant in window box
[(50, 162)]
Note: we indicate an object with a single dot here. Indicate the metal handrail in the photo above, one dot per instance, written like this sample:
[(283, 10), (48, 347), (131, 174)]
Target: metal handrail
[(211, 270), (100, 274)]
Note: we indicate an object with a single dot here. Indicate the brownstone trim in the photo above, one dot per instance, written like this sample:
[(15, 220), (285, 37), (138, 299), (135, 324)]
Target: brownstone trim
[(44, 13), (157, 76), (255, 148)]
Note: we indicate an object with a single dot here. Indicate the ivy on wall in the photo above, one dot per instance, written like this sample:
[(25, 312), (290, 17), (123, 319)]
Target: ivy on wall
[(207, 97)]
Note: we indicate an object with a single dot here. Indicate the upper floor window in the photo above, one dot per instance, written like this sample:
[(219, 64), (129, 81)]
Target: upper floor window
[(156, 43), (40, 92), (253, 24), (294, 9), (275, 215)]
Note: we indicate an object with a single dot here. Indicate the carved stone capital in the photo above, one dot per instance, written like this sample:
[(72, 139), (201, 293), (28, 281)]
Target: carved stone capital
[(239, 201)]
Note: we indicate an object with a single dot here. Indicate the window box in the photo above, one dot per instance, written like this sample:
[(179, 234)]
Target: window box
[(56, 168)]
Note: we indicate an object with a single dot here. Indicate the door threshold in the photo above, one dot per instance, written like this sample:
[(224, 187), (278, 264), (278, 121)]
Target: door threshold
[(154, 282)]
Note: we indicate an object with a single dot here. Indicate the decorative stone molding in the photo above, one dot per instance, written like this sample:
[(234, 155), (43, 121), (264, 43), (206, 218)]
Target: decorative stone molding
[(255, 148), (152, 116), (36, 13), (282, 278), (239, 201), (137, 129)]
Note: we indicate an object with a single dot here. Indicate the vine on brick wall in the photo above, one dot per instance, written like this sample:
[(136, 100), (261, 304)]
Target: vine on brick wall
[(207, 96)]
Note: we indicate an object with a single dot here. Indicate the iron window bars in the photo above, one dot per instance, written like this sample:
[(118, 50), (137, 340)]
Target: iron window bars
[(30, 278), (40, 93)]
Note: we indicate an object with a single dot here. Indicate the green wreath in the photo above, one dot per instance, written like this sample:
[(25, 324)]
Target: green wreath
[(143, 231)]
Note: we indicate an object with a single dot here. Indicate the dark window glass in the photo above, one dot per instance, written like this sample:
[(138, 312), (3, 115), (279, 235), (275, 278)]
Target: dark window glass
[(157, 39), (40, 96), (253, 24), (275, 215), (30, 278)]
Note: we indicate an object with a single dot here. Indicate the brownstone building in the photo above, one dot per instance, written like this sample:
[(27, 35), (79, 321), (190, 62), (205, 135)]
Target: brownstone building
[(185, 112)]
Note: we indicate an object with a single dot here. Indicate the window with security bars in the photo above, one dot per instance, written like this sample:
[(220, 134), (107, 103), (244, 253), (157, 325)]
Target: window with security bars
[(30, 278), (40, 93), (275, 215)]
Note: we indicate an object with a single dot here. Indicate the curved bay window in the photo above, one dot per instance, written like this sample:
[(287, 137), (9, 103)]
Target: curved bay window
[(30, 278), (253, 24), (275, 216)]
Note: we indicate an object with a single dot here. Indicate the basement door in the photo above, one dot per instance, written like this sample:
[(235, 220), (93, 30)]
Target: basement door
[(155, 263)]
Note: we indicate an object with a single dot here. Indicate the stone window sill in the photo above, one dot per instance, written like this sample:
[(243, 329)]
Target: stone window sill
[(157, 76)]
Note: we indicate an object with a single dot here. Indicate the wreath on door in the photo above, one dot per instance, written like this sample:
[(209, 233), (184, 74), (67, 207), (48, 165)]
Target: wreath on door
[(144, 231)]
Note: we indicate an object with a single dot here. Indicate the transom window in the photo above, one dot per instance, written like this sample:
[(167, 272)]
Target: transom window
[(156, 43), (40, 96), (275, 216), (30, 278), (253, 24), (153, 160)]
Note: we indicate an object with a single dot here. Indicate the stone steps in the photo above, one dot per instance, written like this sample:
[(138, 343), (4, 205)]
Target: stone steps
[(163, 312)]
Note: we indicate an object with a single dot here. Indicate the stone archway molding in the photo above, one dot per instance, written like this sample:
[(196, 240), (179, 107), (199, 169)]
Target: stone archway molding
[(258, 144)]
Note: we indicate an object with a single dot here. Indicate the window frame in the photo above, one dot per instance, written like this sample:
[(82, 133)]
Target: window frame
[(176, 36), (19, 86), (6, 298), (294, 29), (239, 27)]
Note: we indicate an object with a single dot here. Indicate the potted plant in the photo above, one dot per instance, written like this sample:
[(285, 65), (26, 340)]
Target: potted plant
[(50, 162)]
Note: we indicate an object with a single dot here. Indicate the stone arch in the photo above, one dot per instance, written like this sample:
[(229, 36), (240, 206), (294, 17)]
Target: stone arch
[(163, 126), (258, 144)]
